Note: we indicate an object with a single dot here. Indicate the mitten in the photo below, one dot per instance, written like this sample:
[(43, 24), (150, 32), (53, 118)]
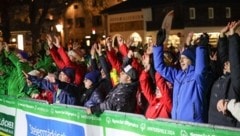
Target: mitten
[(161, 36)]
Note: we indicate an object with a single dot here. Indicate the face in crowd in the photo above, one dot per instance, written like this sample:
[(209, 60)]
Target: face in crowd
[(184, 62)]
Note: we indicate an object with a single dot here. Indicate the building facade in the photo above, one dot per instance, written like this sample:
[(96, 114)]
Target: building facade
[(142, 19)]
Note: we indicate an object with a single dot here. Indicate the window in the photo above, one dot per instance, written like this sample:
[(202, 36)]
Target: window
[(69, 23), (210, 13), (97, 3), (80, 22), (97, 21), (192, 13), (228, 12)]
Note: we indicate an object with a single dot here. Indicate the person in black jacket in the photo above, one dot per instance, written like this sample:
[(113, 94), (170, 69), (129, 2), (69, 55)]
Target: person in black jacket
[(227, 86), (123, 96)]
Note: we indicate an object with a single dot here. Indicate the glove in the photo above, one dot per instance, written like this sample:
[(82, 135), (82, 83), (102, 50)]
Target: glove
[(203, 40), (161, 36)]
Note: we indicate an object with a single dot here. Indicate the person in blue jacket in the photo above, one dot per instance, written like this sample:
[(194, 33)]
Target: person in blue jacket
[(190, 82)]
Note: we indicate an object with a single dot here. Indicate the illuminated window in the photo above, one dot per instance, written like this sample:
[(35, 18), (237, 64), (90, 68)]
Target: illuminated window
[(20, 43), (210, 13), (192, 13), (228, 12)]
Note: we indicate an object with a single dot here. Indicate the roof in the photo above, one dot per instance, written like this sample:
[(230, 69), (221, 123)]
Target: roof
[(137, 5), (133, 5)]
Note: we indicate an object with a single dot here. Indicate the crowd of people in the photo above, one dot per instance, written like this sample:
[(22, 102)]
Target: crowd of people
[(199, 83)]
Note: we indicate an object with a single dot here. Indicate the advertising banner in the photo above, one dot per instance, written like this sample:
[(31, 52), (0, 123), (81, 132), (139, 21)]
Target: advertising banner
[(33, 118), (7, 116)]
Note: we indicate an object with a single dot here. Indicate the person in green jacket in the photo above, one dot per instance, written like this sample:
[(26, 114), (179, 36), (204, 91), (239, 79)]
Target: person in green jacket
[(4, 65), (16, 81)]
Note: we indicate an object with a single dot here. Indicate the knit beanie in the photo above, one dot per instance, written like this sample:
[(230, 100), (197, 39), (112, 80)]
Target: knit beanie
[(190, 53), (69, 72), (93, 76)]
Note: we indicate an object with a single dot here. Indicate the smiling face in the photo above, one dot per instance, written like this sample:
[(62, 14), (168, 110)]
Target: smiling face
[(184, 62)]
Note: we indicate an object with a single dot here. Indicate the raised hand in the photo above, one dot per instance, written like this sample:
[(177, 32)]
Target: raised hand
[(99, 49), (161, 36), (57, 41), (146, 62), (109, 43), (49, 41), (203, 39), (224, 30), (189, 39), (93, 50), (233, 27), (120, 40)]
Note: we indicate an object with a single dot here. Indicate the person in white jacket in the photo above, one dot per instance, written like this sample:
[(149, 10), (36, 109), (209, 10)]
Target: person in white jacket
[(232, 106)]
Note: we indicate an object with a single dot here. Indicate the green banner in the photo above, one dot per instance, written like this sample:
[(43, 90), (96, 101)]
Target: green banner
[(108, 123), (6, 125)]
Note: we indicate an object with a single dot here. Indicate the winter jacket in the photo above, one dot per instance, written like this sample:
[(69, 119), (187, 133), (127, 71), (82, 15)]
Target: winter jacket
[(92, 97), (4, 67), (220, 90), (189, 86), (105, 84), (158, 107), (16, 80), (62, 60), (227, 86), (118, 64), (64, 93), (121, 98)]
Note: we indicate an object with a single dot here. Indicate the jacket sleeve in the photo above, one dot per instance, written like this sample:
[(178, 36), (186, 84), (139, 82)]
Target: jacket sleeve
[(123, 49), (94, 64), (201, 66), (166, 98), (234, 58), (222, 49), (168, 73), (41, 83), (146, 87), (234, 108), (64, 57), (57, 59), (105, 66), (113, 59)]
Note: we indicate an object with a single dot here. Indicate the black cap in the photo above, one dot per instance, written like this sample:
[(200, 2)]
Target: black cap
[(130, 71)]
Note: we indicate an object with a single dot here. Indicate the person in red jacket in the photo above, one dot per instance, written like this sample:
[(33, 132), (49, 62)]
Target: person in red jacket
[(160, 99), (62, 59)]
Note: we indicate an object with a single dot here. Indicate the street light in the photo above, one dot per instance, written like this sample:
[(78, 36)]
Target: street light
[(59, 28)]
